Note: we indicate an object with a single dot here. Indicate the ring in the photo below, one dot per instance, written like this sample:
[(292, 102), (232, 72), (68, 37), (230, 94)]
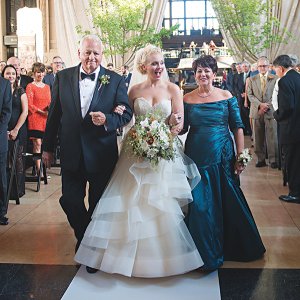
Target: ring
[(179, 118)]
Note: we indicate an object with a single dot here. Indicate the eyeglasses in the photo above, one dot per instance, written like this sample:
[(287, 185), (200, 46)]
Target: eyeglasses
[(57, 62), (263, 66)]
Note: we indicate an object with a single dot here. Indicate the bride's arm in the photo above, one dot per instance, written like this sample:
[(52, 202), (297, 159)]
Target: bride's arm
[(176, 118)]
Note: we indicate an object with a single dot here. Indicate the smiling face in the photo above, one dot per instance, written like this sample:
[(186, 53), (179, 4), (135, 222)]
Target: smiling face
[(204, 76), (154, 66), (10, 74), (90, 55)]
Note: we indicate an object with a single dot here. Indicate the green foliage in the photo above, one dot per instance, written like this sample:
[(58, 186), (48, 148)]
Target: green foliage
[(120, 23), (251, 24)]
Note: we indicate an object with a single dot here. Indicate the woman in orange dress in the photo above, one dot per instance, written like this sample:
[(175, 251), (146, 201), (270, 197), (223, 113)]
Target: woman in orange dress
[(39, 98)]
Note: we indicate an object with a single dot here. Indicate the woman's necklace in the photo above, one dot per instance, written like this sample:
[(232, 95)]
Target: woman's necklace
[(39, 83), (207, 95)]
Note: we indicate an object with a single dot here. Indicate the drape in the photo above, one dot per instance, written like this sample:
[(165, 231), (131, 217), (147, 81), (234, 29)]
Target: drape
[(288, 13), (70, 13)]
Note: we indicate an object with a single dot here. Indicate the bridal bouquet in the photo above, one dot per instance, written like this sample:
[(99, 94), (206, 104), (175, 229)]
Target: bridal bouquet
[(244, 157), (151, 139)]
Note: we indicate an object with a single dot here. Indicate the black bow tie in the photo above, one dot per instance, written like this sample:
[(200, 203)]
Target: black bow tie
[(91, 76)]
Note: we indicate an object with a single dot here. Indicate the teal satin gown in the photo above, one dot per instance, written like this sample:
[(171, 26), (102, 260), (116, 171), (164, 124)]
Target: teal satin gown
[(219, 218)]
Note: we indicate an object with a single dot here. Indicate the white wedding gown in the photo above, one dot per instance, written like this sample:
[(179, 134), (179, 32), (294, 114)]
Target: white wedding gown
[(137, 228)]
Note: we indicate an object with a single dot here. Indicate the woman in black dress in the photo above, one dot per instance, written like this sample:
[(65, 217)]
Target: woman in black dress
[(17, 125)]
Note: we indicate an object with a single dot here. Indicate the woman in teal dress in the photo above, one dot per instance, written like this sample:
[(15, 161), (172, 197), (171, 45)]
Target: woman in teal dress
[(219, 218)]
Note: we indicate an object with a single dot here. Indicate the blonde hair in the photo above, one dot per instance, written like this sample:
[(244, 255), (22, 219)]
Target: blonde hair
[(143, 55)]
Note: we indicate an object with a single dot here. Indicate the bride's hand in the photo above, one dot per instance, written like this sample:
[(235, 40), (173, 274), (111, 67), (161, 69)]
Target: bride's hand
[(120, 109), (175, 119)]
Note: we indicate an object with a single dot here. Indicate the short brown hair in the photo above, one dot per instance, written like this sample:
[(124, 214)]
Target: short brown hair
[(38, 67)]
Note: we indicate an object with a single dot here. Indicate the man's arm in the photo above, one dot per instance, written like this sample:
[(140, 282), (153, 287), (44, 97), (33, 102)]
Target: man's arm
[(285, 100), (113, 119), (5, 113), (53, 120)]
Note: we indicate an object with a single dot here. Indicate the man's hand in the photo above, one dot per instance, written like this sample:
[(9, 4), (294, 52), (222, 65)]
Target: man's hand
[(175, 119), (47, 158), (98, 118), (263, 108), (120, 109)]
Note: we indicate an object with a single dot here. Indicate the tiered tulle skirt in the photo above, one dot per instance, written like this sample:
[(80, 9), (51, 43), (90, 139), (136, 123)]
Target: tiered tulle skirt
[(137, 228)]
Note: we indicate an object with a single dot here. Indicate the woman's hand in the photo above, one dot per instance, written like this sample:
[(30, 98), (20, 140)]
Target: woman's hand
[(98, 118), (238, 168), (13, 134), (120, 109), (43, 112)]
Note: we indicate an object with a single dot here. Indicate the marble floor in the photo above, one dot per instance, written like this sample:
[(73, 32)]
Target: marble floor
[(37, 247)]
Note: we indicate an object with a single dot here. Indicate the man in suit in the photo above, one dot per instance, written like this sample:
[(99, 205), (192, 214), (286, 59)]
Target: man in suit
[(241, 96), (5, 113), (23, 80), (57, 65), (287, 115), (126, 74), (259, 92), (83, 102)]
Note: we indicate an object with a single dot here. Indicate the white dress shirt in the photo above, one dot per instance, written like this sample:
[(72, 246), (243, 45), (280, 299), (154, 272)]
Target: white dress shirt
[(87, 88)]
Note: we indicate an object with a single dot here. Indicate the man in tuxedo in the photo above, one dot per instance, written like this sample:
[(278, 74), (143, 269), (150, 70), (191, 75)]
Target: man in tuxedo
[(126, 74), (287, 115), (259, 92), (57, 65), (83, 102), (5, 113), (241, 96), (23, 80)]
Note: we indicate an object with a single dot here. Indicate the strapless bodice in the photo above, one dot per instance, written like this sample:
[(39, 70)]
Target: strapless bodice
[(142, 107)]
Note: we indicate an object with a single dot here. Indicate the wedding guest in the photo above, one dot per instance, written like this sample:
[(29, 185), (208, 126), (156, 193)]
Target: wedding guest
[(17, 126), (57, 65), (219, 218), (287, 115), (23, 80), (126, 74), (2, 65), (39, 98), (110, 66), (259, 91), (5, 113), (84, 98)]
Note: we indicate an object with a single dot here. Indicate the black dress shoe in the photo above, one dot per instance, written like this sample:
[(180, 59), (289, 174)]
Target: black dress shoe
[(291, 199), (3, 221), (91, 270), (274, 165), (260, 164)]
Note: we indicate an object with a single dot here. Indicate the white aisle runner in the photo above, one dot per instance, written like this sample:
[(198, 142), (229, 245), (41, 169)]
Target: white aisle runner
[(194, 285)]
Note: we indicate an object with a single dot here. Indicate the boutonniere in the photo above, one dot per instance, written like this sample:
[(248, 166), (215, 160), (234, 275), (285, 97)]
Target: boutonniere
[(104, 79)]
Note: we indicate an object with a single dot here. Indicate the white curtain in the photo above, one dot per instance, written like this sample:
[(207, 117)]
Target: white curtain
[(70, 13), (287, 12)]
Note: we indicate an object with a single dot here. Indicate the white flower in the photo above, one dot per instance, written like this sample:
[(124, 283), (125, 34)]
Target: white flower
[(145, 123), (154, 125)]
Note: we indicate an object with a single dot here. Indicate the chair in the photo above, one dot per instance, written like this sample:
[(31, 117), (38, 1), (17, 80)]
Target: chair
[(11, 167), (38, 177)]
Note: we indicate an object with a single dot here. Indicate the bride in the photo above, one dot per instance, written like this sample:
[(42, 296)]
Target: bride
[(137, 228)]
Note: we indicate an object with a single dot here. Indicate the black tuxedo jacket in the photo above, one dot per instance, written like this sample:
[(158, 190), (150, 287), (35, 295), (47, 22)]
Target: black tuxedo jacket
[(288, 113), (49, 79), (240, 86), (5, 111), (79, 137), (127, 79), (24, 81)]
